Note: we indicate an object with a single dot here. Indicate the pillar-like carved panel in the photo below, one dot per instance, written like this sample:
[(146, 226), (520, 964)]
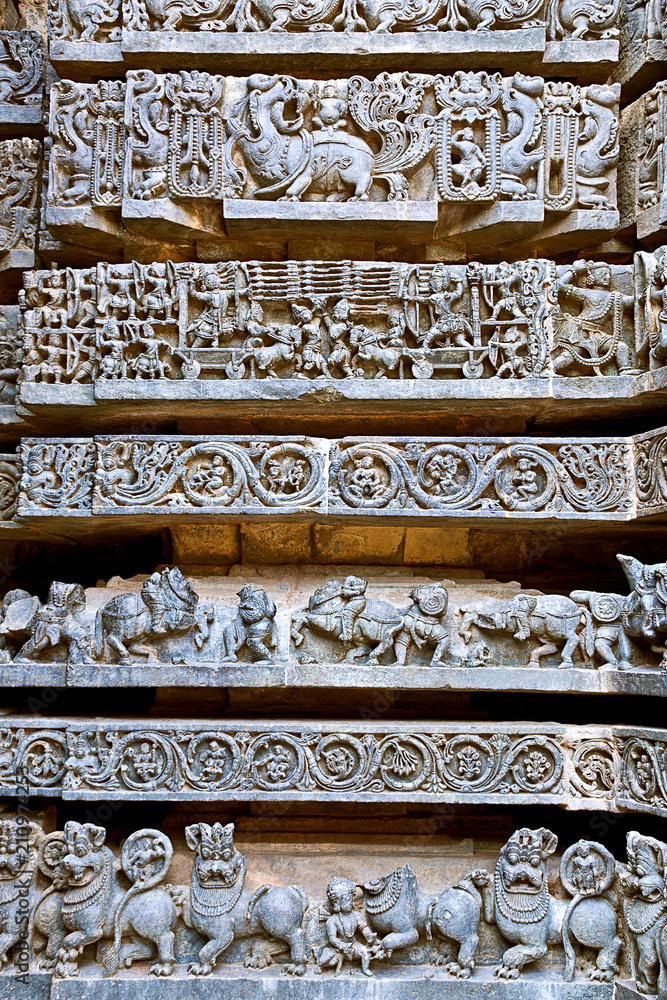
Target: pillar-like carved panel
[(643, 46), (21, 83), (365, 157), (19, 185)]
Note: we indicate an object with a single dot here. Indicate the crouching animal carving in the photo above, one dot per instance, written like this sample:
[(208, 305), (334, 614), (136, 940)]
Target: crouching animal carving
[(553, 620), (18, 849), (400, 913), (643, 884), (528, 915), (95, 907), (221, 911)]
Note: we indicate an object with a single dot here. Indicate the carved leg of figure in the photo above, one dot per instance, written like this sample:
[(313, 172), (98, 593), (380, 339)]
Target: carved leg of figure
[(606, 654), (257, 647), (297, 945), (466, 960), (7, 941), (209, 954), (165, 953), (401, 645), (67, 964), (399, 940), (124, 657), (440, 650), (537, 654), (353, 654), (386, 640), (606, 966), (141, 649), (570, 645), (648, 969), (624, 650), (515, 958), (134, 950)]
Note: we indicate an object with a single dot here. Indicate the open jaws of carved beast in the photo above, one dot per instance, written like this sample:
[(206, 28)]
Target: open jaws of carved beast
[(528, 915), (643, 884), (97, 910)]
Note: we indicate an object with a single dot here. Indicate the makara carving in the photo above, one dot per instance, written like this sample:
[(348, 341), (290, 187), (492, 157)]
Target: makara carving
[(21, 73), (19, 184), (163, 147)]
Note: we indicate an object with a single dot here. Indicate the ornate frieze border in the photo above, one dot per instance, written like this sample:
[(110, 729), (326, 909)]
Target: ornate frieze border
[(609, 768), (241, 36), (406, 478)]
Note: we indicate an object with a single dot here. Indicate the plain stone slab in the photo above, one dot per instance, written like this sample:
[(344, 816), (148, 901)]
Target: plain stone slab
[(164, 219), (368, 52), (410, 220), (32, 986), (19, 120), (88, 226), (222, 675), (406, 983), (641, 65), (503, 222), (85, 60), (590, 61)]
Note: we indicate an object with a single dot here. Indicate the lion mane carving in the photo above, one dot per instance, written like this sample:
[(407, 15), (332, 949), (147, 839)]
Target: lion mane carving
[(527, 914)]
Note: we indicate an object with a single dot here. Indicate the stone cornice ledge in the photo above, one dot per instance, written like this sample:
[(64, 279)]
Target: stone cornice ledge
[(610, 768)]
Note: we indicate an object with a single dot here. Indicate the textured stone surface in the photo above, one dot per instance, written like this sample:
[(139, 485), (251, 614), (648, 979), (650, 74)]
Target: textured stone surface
[(169, 480), (188, 339), (446, 147)]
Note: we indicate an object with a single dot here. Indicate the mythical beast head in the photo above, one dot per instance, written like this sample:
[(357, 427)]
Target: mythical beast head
[(218, 865), (85, 855), (521, 888), (647, 867)]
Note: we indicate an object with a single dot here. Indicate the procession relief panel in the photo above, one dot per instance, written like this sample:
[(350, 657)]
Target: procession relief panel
[(338, 321), (170, 620)]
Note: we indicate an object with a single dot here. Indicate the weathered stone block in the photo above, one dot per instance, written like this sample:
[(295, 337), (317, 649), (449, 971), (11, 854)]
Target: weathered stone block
[(218, 545), (445, 546), (276, 543), (367, 545)]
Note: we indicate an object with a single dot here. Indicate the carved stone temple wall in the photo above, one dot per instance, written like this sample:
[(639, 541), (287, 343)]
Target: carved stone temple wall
[(333, 499)]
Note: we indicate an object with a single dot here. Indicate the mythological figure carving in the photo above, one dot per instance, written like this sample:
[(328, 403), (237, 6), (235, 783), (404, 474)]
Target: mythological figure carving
[(21, 68)]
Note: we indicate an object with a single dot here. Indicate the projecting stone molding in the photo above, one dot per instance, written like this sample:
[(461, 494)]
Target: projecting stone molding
[(264, 626), (559, 38), (175, 157), (195, 339), (186, 479)]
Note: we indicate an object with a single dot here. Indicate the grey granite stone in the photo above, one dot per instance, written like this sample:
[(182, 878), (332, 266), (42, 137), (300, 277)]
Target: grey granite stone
[(643, 50), (298, 333), (604, 768), (21, 83), (643, 181), (498, 178), (176, 479)]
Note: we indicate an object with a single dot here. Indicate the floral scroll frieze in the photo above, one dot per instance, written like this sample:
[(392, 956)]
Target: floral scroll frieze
[(577, 768), (567, 478)]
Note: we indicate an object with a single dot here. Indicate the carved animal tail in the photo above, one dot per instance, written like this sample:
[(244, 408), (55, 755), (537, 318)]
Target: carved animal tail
[(302, 896), (99, 635), (428, 925), (587, 637), (112, 957), (570, 956), (254, 899)]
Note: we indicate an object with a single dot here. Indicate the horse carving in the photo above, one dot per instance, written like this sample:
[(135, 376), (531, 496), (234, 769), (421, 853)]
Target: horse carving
[(167, 604), (342, 611)]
